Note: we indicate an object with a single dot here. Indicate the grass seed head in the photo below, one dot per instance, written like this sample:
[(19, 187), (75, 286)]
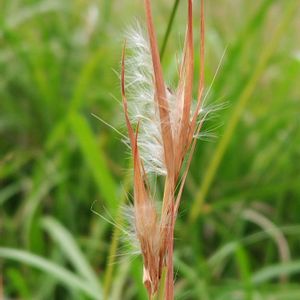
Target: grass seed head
[(166, 126)]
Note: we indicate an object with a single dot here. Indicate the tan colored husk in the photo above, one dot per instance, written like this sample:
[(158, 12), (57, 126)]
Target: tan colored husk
[(155, 234)]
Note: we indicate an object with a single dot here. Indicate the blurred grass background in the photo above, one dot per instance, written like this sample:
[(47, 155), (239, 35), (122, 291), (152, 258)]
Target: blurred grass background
[(238, 234)]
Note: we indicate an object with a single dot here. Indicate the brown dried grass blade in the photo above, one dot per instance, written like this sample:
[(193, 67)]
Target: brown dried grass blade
[(202, 53), (201, 79), (187, 167), (124, 100), (186, 84), (160, 94), (140, 193), (189, 74)]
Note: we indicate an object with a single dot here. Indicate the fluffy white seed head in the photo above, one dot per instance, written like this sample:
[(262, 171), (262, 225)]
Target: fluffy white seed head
[(141, 104), (142, 107)]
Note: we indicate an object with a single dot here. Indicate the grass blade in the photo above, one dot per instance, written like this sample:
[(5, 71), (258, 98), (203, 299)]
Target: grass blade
[(61, 274), (96, 161), (275, 271), (71, 250), (238, 110), (168, 31)]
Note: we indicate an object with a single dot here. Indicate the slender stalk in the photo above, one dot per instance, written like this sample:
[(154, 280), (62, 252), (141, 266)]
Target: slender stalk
[(168, 31), (168, 214), (170, 264), (162, 286)]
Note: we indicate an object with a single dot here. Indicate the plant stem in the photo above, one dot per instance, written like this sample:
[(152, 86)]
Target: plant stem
[(169, 219), (162, 286), (168, 31)]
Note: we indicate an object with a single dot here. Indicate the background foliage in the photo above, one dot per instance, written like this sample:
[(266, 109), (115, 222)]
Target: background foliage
[(237, 236)]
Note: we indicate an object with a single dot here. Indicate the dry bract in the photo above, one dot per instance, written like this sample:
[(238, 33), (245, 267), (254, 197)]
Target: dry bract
[(166, 125)]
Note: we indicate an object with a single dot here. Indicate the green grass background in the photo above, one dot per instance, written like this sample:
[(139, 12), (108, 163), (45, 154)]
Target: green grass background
[(238, 232)]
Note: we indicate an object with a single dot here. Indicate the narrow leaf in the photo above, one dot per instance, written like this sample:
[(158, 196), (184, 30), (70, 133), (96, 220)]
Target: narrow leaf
[(61, 274), (71, 250)]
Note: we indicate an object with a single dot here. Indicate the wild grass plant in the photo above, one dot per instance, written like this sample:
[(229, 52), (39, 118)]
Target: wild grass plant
[(237, 231), (166, 132)]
